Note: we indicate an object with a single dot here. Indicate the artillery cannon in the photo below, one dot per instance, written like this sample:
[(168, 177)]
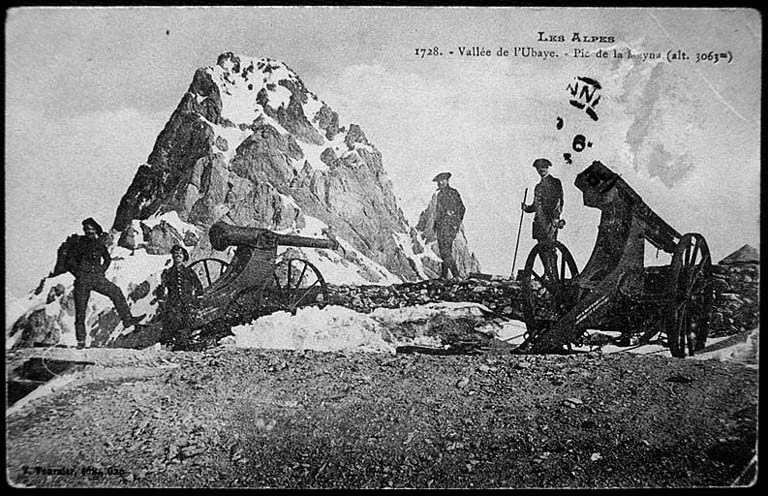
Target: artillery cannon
[(615, 291), (253, 283)]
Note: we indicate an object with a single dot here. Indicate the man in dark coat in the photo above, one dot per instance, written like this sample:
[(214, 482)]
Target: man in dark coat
[(88, 259), (449, 213), (547, 206), (178, 289)]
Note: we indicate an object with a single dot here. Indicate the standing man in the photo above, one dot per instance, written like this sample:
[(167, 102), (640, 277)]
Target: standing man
[(179, 287), (88, 260), (449, 213), (547, 205)]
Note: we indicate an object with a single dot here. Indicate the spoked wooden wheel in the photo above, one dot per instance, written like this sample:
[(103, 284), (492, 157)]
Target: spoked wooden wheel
[(208, 270), (296, 283), (691, 296), (546, 287)]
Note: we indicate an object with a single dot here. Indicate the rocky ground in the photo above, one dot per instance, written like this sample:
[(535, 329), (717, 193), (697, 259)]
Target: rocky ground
[(253, 418)]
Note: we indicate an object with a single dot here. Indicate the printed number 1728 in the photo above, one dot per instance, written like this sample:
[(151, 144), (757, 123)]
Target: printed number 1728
[(428, 52)]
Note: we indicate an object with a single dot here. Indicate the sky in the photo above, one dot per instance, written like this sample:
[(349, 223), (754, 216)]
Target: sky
[(89, 89)]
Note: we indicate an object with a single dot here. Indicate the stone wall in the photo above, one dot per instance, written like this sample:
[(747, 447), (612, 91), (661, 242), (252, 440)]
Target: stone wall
[(736, 307), (737, 304), (500, 296)]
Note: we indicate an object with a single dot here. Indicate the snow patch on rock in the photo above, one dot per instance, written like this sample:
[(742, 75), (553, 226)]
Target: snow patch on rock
[(335, 267)]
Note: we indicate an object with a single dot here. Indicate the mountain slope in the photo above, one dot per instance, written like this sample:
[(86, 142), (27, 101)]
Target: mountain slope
[(249, 144)]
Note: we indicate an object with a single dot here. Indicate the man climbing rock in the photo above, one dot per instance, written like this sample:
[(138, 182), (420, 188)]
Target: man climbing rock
[(449, 214), (547, 206), (87, 259), (178, 289)]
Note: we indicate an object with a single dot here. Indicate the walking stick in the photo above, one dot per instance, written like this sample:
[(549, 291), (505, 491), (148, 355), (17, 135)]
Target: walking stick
[(519, 228)]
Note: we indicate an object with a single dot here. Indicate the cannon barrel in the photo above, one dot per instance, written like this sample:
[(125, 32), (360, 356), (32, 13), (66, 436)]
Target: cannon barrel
[(598, 183), (223, 235), (306, 242)]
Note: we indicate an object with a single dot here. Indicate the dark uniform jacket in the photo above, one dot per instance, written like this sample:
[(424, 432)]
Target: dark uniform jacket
[(181, 285), (87, 256), (548, 205), (449, 211)]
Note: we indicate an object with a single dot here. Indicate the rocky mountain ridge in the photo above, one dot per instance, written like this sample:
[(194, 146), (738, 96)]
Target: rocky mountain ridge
[(248, 144)]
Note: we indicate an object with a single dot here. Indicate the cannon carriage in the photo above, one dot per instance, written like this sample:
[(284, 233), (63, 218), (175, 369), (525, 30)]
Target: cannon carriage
[(614, 291), (255, 282)]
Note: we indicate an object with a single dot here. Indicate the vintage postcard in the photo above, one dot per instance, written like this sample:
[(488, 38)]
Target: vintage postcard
[(373, 247)]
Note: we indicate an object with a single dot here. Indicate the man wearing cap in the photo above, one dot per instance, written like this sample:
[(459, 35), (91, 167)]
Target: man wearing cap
[(547, 206), (449, 213), (179, 287), (88, 260)]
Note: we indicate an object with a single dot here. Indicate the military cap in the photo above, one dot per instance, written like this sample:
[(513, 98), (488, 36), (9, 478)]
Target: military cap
[(179, 248), (542, 162), (90, 222), (441, 176)]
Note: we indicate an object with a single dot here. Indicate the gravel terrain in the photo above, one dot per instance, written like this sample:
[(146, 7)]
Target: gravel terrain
[(253, 418)]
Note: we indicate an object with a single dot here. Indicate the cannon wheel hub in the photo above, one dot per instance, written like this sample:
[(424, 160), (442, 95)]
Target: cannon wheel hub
[(296, 283)]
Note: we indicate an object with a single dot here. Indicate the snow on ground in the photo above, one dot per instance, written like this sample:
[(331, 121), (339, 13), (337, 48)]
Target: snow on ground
[(510, 331), (743, 352), (747, 353), (336, 328), (332, 328)]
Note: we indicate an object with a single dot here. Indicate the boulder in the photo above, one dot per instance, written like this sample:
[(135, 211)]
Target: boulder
[(161, 238), (328, 120), (132, 236), (191, 238), (37, 329)]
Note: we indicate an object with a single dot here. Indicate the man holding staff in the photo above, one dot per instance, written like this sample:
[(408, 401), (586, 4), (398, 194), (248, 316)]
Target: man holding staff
[(547, 206)]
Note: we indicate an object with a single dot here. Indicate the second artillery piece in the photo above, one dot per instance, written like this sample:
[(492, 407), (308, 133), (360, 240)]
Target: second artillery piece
[(615, 291)]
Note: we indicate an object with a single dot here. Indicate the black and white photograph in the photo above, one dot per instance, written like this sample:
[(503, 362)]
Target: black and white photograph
[(382, 247)]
